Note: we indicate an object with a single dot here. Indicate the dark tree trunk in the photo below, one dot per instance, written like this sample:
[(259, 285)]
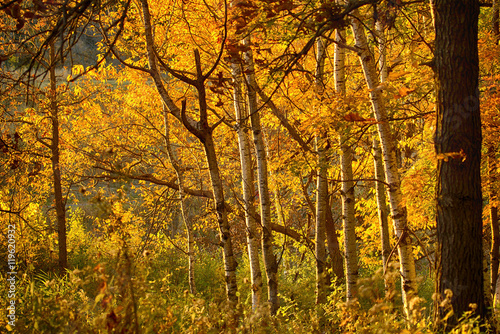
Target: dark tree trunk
[(204, 132), (458, 147), (336, 258), (56, 169)]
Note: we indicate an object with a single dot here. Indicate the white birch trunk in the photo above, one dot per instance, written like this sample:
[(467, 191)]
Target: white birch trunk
[(349, 222), (263, 185), (379, 169), (247, 177), (382, 50), (398, 210)]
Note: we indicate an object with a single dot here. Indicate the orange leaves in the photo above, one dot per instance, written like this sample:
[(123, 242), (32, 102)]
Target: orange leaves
[(403, 91), (353, 117), (452, 155)]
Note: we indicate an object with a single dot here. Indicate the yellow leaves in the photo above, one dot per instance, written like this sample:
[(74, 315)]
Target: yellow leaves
[(75, 71), (396, 75)]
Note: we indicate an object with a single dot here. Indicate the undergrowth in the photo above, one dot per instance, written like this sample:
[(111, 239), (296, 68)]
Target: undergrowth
[(117, 289)]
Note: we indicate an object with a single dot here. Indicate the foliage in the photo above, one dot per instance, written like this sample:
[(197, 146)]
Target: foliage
[(127, 244)]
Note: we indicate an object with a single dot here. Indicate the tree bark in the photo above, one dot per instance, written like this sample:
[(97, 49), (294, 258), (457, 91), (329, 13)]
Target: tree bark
[(224, 228), (263, 184), (321, 207), (383, 211), (175, 162), (336, 258), (247, 180), (458, 147), (56, 167), (348, 201), (490, 277), (321, 185), (398, 210), (382, 50), (495, 20), (349, 222)]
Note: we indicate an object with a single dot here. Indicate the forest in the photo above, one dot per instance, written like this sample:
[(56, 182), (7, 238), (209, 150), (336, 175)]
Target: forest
[(249, 166)]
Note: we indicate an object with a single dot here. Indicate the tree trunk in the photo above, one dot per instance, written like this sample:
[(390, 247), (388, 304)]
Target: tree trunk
[(175, 162), (496, 20), (398, 210), (203, 131), (382, 50), (224, 228), (351, 255), (321, 185), (336, 258), (56, 168), (262, 174), (350, 252), (458, 147), (383, 211), (321, 207), (491, 279), (248, 186)]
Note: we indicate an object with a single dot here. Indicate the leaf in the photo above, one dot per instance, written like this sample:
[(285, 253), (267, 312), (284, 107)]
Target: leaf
[(453, 155), (403, 91), (353, 117), (396, 75), (99, 297)]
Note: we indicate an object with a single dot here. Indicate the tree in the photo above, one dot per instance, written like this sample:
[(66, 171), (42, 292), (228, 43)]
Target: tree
[(204, 132), (56, 168), (378, 166), (349, 222), (321, 182), (263, 184), (458, 148), (398, 210), (247, 180)]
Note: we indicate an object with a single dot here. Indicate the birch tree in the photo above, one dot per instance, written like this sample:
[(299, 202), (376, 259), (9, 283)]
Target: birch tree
[(350, 251), (398, 210), (379, 167), (247, 180), (263, 183)]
